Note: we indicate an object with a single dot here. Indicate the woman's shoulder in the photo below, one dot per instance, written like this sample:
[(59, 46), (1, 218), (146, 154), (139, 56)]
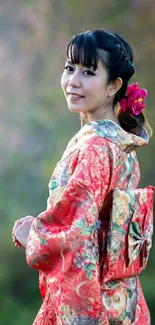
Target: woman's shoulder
[(97, 142), (97, 145), (85, 147), (95, 151)]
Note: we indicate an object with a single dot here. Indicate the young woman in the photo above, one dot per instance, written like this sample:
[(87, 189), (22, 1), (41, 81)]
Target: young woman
[(85, 244)]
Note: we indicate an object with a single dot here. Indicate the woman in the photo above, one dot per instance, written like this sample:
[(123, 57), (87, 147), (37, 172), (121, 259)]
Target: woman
[(66, 243)]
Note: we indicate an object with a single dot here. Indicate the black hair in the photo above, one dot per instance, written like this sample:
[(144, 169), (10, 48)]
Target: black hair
[(117, 56)]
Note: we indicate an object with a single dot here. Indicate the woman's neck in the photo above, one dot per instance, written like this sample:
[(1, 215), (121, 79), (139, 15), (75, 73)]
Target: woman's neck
[(104, 116)]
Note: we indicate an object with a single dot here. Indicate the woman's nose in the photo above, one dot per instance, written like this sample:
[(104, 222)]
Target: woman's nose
[(74, 80)]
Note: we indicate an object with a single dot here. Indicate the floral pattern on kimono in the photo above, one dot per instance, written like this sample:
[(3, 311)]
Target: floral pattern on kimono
[(63, 241)]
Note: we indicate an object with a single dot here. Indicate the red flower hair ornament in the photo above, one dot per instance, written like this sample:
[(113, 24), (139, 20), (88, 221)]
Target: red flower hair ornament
[(134, 100)]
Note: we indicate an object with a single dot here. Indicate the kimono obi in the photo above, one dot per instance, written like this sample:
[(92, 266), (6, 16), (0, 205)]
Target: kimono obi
[(125, 239)]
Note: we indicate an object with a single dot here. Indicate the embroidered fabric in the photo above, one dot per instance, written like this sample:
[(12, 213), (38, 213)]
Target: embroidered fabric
[(125, 239)]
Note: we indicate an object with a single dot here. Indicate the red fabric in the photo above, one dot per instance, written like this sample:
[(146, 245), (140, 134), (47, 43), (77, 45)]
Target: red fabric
[(63, 242)]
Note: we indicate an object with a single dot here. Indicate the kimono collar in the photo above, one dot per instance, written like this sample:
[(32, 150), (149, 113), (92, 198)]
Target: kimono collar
[(111, 131)]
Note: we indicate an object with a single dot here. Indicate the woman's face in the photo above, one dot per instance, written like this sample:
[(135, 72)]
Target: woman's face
[(85, 90)]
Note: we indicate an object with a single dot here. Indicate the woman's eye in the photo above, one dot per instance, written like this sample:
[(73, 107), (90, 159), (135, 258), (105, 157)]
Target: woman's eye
[(68, 68), (89, 73)]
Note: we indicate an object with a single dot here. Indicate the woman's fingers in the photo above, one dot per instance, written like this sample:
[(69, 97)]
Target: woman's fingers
[(16, 242)]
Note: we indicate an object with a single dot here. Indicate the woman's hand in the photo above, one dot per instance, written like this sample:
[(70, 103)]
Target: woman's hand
[(21, 230)]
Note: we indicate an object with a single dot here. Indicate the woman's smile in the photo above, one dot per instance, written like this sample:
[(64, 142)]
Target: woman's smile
[(74, 96)]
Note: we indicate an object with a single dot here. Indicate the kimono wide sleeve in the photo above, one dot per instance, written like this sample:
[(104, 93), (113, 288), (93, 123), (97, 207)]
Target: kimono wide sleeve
[(63, 240)]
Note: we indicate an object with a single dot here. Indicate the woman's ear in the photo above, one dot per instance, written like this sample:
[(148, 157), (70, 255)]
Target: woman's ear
[(114, 86)]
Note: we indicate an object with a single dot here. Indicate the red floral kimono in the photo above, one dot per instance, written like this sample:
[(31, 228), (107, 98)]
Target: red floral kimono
[(94, 238)]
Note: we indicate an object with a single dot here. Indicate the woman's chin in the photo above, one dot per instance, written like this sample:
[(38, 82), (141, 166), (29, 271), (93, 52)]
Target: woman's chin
[(75, 109)]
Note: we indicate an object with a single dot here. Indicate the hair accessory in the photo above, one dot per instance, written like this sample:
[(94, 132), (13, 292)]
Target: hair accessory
[(134, 99)]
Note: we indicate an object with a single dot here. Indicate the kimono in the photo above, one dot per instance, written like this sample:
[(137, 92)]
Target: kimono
[(87, 273)]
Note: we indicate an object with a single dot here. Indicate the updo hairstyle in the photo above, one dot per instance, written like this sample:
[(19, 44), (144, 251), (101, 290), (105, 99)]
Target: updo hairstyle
[(117, 56)]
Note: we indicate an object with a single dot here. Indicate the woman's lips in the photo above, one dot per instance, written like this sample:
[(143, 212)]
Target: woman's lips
[(74, 96)]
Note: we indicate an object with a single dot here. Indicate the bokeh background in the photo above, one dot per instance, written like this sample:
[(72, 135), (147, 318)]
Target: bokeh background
[(35, 124)]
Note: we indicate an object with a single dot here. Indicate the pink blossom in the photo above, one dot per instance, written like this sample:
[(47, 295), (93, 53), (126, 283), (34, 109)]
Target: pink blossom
[(131, 88), (134, 100), (123, 104)]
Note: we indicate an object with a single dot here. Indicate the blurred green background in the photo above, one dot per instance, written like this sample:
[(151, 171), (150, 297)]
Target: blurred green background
[(35, 124)]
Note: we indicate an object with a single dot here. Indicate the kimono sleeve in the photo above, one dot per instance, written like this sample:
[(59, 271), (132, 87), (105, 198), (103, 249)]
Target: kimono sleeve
[(64, 237)]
